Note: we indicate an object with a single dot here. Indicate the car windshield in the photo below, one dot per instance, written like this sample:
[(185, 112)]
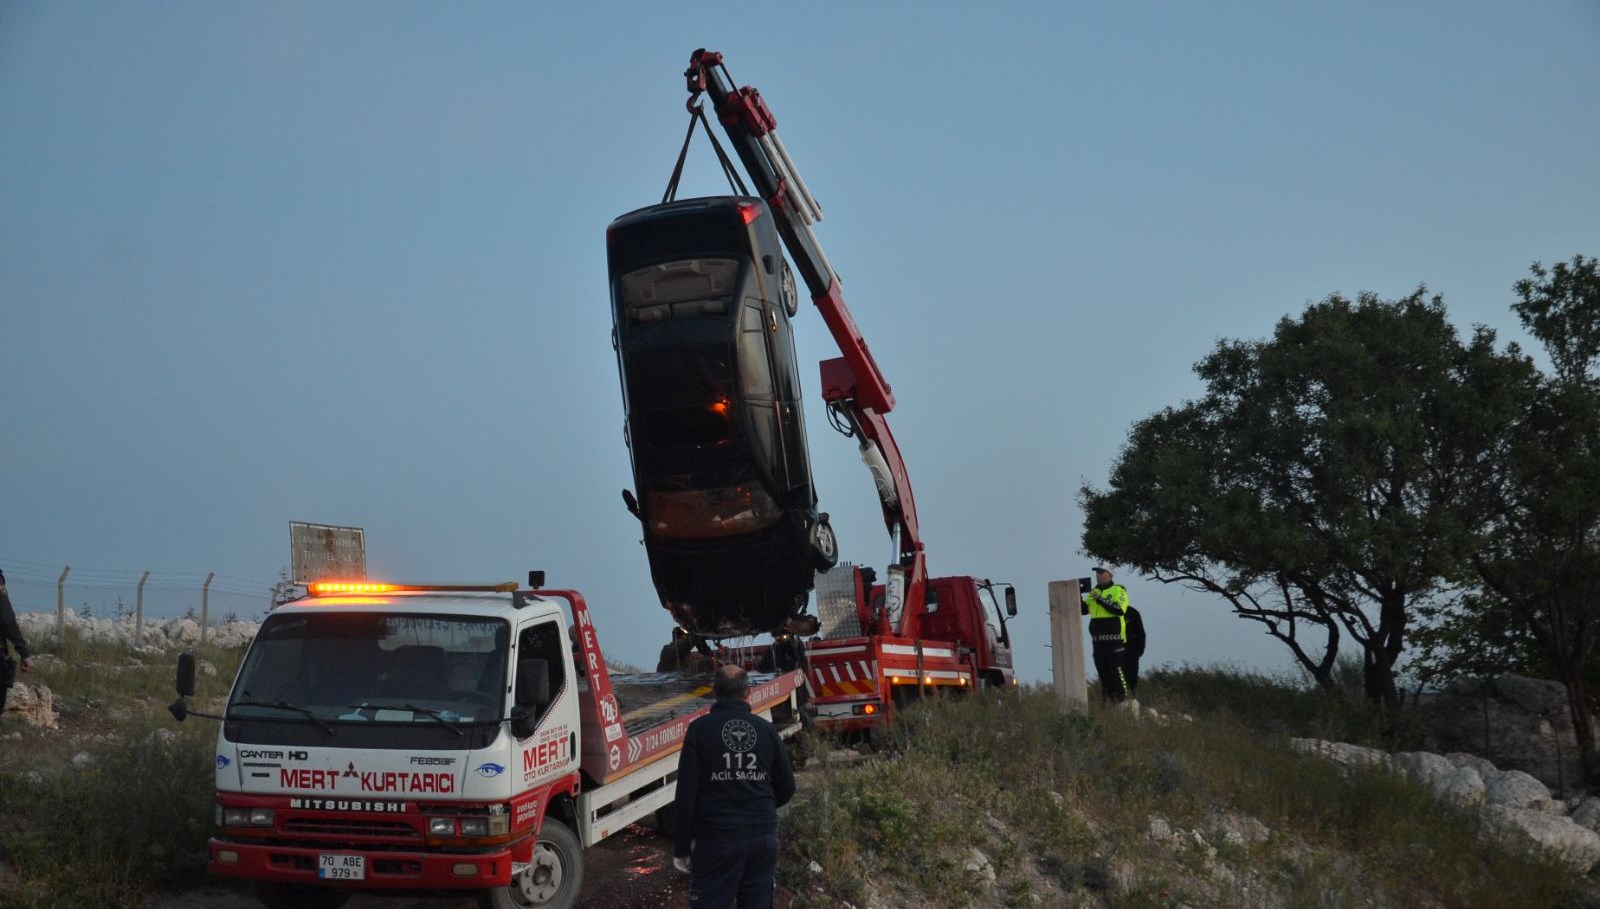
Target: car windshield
[(374, 668)]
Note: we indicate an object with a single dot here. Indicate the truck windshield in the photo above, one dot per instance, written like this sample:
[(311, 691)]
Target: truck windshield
[(366, 668)]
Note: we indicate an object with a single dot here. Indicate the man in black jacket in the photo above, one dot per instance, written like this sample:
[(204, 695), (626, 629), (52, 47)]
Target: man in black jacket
[(1135, 650), (733, 776), (10, 632)]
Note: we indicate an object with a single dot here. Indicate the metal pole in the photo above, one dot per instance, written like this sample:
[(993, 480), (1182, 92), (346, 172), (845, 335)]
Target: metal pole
[(61, 606), (205, 606), (1066, 646), (138, 612)]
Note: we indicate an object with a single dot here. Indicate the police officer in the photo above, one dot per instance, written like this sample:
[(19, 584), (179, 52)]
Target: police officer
[(1107, 608), (733, 776), (10, 633), (1130, 660)]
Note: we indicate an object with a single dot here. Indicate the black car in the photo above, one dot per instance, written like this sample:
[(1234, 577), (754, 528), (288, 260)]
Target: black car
[(701, 298)]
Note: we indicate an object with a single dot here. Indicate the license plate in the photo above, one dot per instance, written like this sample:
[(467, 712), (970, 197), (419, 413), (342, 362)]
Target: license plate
[(333, 866)]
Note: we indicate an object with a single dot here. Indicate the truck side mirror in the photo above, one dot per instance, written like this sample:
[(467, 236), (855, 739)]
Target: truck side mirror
[(1011, 602), (186, 675)]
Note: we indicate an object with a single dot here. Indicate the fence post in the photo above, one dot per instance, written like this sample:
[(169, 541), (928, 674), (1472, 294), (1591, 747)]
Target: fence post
[(61, 606), (138, 612), (1066, 646), (205, 607)]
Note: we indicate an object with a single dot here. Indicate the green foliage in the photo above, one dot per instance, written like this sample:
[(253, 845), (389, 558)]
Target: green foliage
[(135, 819), (1319, 484), (137, 816)]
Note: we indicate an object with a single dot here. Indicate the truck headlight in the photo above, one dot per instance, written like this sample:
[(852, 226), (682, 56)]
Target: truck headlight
[(261, 817), (442, 826), (474, 826), (235, 817)]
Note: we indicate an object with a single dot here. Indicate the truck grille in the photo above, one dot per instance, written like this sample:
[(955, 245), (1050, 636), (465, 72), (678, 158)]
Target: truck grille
[(340, 827)]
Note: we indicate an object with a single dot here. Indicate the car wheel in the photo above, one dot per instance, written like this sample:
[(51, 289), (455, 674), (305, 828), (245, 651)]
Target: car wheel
[(551, 881), (788, 291), (824, 545), (300, 896)]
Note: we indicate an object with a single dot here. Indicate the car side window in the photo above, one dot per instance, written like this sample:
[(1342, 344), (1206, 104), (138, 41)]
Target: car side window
[(754, 369), (542, 641)]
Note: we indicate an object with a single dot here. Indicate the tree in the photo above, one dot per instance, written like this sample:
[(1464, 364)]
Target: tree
[(1541, 562), (1321, 482)]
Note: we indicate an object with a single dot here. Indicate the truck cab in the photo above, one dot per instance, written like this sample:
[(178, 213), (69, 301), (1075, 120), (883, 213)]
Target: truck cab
[(428, 740)]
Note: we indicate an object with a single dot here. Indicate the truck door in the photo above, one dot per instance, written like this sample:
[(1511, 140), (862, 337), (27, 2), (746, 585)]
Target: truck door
[(999, 646), (551, 752)]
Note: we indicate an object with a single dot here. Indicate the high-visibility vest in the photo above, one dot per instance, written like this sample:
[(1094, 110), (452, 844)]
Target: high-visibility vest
[(1117, 597)]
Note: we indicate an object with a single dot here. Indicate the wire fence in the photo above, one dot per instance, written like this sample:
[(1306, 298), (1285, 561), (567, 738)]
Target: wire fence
[(206, 597)]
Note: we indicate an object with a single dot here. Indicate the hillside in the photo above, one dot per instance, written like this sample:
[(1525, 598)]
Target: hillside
[(999, 802)]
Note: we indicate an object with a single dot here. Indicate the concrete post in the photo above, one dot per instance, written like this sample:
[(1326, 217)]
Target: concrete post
[(138, 612), (1066, 646), (61, 606), (205, 607)]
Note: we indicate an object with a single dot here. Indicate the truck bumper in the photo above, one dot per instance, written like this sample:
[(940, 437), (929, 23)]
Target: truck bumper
[(386, 869)]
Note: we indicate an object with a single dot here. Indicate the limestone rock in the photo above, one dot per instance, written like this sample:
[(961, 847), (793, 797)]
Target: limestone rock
[(33, 704), (1587, 814), (1484, 766), (1515, 789), (1575, 846), (1461, 786), (1348, 757), (1423, 767)]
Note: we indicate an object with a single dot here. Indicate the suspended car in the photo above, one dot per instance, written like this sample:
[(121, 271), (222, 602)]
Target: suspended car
[(701, 301)]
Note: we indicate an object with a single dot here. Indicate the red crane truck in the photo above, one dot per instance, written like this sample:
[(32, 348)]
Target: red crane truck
[(911, 633), (454, 740)]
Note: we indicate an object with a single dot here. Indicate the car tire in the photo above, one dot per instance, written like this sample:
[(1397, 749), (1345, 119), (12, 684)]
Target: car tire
[(300, 896), (788, 291), (552, 881), (824, 545)]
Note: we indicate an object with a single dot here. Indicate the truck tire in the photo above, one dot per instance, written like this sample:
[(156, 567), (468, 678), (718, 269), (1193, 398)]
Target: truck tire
[(552, 881), (300, 896)]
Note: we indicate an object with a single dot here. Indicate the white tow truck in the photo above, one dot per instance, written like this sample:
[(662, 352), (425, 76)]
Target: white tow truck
[(427, 739)]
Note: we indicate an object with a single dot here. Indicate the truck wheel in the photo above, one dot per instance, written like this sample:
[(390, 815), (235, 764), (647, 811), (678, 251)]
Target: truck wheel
[(300, 896), (552, 881), (824, 545)]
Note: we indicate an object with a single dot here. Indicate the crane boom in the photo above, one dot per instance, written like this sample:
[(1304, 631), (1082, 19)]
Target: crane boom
[(852, 385)]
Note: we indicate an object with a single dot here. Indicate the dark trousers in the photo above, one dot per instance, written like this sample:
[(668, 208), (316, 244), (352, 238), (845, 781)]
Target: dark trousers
[(1108, 661), (1130, 670), (722, 870), (8, 677)]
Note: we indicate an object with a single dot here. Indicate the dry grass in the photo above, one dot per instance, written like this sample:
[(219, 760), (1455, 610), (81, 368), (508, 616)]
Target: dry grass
[(1064, 808)]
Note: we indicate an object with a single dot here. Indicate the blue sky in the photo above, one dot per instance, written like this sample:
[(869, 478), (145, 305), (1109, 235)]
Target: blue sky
[(345, 262)]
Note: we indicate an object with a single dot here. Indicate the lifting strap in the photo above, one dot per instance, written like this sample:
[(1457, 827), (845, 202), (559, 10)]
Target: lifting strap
[(697, 114)]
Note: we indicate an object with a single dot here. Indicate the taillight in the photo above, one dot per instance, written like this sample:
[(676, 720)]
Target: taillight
[(750, 211)]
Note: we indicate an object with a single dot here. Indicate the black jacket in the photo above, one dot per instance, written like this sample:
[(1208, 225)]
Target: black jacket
[(9, 629), (733, 775), (1135, 632)]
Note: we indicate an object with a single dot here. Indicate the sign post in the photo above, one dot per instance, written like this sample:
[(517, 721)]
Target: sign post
[(325, 552), (1066, 647)]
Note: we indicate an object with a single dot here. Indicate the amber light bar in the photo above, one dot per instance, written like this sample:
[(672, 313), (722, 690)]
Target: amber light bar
[(324, 588)]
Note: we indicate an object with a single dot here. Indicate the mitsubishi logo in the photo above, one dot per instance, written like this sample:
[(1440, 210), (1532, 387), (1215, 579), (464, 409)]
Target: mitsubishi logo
[(351, 773)]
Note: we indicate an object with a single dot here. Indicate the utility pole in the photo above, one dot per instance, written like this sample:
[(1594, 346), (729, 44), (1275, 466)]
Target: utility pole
[(1066, 646)]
